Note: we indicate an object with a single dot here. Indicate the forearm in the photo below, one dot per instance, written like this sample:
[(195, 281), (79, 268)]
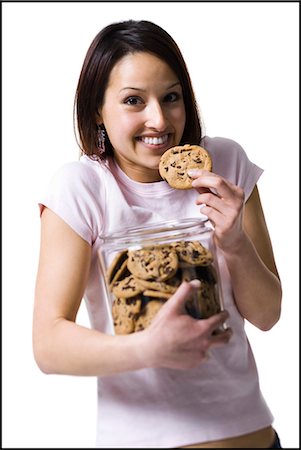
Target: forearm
[(71, 349), (173, 340), (257, 290)]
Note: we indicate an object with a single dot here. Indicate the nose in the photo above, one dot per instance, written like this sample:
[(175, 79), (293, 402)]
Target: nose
[(156, 117)]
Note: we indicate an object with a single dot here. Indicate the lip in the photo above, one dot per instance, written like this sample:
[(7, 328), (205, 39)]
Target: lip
[(153, 134)]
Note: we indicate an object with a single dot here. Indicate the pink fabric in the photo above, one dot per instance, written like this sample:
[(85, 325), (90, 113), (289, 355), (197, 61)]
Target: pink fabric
[(161, 408)]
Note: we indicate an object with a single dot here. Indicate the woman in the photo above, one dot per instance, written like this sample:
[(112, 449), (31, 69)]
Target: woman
[(176, 383)]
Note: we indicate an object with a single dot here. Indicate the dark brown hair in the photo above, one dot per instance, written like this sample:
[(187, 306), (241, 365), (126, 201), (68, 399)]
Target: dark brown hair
[(109, 46)]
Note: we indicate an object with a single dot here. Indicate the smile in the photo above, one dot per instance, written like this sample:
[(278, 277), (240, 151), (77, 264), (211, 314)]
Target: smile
[(155, 140)]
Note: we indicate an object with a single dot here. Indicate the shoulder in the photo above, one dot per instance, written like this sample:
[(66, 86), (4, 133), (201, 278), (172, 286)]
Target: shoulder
[(78, 174), (223, 148), (228, 156), (84, 167), (77, 194)]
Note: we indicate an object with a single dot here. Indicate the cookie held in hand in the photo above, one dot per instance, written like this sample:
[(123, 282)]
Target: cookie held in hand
[(176, 162)]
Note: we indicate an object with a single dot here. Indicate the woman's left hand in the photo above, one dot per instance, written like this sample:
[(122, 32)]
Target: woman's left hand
[(223, 203)]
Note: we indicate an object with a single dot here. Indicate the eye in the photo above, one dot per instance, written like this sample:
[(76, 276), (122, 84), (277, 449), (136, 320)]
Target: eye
[(133, 101), (172, 97)]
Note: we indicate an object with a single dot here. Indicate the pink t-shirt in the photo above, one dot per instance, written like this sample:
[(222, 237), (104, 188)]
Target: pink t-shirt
[(161, 408)]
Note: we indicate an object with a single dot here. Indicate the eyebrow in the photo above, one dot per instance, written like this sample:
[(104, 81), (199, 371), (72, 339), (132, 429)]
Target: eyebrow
[(143, 90)]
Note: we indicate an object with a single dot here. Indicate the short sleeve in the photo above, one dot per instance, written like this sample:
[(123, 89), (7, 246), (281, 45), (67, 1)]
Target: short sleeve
[(75, 193), (230, 161)]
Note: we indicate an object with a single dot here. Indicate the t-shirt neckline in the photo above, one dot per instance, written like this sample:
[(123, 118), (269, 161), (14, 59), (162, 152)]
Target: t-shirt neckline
[(147, 189)]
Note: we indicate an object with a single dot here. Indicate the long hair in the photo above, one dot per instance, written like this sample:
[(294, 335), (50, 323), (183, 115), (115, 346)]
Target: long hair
[(108, 47)]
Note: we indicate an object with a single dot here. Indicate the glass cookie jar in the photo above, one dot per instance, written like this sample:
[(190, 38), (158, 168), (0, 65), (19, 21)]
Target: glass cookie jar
[(143, 267)]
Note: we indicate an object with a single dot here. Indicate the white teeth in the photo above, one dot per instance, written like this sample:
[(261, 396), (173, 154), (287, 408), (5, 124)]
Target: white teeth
[(155, 140)]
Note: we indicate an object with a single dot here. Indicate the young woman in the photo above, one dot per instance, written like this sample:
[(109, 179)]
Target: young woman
[(176, 383)]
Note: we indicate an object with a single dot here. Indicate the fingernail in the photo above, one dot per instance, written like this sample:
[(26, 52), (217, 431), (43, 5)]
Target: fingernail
[(195, 283), (193, 172)]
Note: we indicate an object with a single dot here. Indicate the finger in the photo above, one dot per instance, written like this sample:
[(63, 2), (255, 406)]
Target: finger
[(221, 337), (218, 185), (221, 208), (217, 321), (213, 215), (197, 173), (178, 300), (212, 200)]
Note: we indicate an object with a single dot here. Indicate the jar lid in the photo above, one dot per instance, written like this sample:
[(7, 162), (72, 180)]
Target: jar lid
[(158, 230)]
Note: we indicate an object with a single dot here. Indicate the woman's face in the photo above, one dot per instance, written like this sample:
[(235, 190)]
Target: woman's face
[(143, 113)]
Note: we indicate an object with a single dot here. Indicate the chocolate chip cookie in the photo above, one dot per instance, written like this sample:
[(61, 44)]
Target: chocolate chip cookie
[(148, 314), (193, 252), (168, 287), (157, 263), (117, 267), (127, 287), (124, 312), (176, 161)]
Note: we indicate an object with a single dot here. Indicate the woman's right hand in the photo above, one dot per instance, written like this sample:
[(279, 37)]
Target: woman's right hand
[(178, 341)]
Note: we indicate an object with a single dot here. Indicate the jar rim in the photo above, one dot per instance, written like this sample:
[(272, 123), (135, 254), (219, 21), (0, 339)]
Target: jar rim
[(160, 227)]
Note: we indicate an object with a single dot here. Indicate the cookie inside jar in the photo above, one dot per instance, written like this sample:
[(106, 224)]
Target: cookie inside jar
[(151, 264)]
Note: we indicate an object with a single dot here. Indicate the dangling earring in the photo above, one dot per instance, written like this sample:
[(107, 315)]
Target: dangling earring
[(101, 138)]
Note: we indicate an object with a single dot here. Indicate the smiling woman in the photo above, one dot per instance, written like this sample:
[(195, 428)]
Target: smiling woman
[(120, 44), (133, 102)]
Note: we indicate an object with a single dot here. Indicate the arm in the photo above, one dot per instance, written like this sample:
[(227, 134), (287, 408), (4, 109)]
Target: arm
[(62, 346), (256, 284), (242, 234)]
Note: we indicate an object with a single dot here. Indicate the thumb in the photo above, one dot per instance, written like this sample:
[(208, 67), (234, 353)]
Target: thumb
[(177, 301)]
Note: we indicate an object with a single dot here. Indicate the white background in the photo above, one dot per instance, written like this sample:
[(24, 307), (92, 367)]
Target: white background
[(243, 61)]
